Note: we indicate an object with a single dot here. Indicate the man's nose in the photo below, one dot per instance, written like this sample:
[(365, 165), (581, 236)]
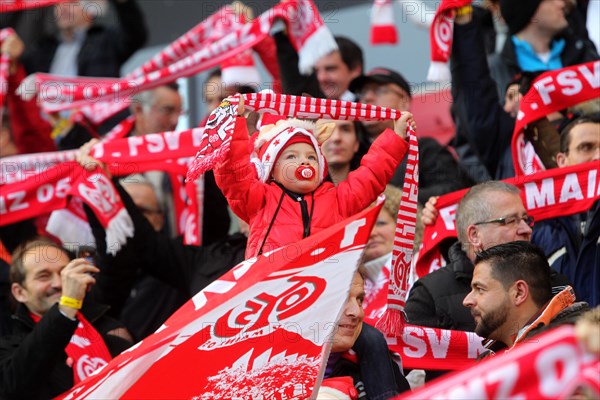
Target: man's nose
[(468, 300), (56, 281)]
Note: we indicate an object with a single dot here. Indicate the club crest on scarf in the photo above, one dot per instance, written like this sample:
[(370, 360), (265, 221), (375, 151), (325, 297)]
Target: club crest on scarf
[(99, 192), (215, 139)]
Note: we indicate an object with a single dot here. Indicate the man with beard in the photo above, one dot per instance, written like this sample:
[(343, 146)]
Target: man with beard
[(511, 294)]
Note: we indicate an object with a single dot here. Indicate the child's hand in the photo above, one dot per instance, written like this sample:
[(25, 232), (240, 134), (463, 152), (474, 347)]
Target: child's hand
[(401, 123)]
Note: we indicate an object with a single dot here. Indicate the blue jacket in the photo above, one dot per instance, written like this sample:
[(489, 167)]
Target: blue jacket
[(572, 252)]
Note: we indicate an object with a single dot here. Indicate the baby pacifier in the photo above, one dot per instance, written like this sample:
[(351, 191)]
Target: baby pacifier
[(305, 172)]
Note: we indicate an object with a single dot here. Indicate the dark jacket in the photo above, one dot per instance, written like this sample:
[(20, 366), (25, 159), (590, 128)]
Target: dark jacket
[(104, 49), (33, 359), (439, 172), (488, 127), (574, 252), (436, 299), (504, 65), (186, 268)]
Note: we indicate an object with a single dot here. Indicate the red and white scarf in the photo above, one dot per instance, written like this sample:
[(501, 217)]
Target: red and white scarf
[(547, 194), (383, 30), (219, 128), (550, 367), (440, 39), (86, 351), (392, 321), (36, 184), (552, 91), (18, 5), (307, 33), (4, 69), (51, 190)]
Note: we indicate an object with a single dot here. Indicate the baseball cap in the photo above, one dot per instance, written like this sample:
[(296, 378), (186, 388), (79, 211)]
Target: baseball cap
[(380, 75)]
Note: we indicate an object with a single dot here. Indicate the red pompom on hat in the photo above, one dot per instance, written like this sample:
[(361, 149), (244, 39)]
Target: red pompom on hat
[(274, 138)]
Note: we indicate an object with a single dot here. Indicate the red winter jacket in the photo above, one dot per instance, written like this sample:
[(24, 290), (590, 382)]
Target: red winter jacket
[(256, 202)]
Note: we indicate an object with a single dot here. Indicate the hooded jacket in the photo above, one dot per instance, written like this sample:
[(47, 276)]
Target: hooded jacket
[(278, 217)]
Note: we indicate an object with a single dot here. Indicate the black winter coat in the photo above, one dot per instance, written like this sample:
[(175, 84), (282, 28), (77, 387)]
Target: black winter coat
[(33, 359)]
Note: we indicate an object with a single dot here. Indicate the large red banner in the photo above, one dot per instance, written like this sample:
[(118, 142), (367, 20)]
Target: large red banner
[(262, 330)]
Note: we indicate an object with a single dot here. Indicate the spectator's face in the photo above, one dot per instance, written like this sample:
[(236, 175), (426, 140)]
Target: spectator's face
[(342, 145), (550, 16), (512, 100), (71, 15), (584, 146), (489, 303), (215, 92), (350, 323), (289, 160), (381, 241), (145, 199), (383, 95), (491, 234), (42, 287), (161, 115), (333, 75)]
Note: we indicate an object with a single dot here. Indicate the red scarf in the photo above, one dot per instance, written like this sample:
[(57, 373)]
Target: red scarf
[(24, 176), (440, 39), (307, 33), (215, 143), (86, 352), (552, 91), (392, 321), (383, 30), (550, 367), (547, 194)]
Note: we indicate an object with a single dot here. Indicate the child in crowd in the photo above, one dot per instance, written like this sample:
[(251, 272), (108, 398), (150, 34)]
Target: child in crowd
[(284, 197)]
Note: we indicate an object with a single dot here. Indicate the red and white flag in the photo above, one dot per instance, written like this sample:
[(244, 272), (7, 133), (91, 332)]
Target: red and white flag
[(252, 333), (383, 30), (440, 39), (549, 366), (552, 91)]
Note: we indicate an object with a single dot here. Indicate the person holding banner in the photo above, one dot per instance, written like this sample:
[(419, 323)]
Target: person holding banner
[(511, 295), (59, 335)]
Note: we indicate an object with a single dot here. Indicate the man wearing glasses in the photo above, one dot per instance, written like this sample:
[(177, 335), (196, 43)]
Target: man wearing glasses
[(491, 213)]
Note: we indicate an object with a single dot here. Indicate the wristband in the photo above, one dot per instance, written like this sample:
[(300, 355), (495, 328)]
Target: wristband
[(71, 302), (464, 10)]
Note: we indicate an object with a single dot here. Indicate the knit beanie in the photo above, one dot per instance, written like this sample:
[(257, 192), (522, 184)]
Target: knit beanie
[(274, 138), (518, 13)]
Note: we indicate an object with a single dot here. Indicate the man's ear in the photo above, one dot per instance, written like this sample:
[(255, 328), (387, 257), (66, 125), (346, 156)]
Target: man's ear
[(473, 236), (561, 160), (356, 72), (520, 292), (18, 292)]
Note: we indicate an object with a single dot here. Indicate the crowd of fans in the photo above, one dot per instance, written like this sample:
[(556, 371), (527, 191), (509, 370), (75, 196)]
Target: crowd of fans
[(500, 277)]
